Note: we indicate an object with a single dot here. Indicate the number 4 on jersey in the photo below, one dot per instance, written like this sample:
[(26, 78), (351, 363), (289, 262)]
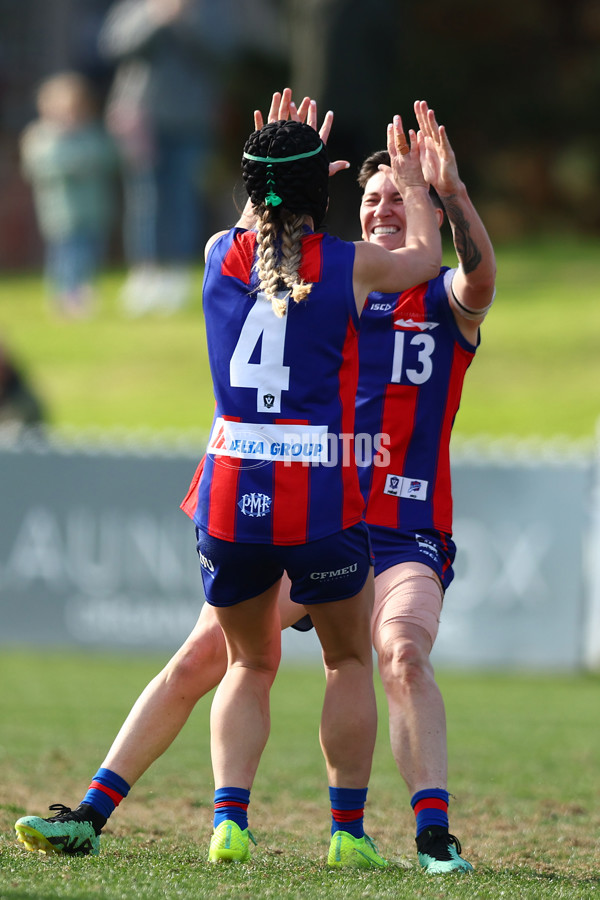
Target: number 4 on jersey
[(268, 376)]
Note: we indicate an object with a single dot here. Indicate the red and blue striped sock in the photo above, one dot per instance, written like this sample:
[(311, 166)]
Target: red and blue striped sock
[(347, 810), (430, 808), (106, 792), (231, 803)]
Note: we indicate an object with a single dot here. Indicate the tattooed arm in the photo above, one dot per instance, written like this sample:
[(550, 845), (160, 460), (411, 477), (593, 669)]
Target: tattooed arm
[(473, 284)]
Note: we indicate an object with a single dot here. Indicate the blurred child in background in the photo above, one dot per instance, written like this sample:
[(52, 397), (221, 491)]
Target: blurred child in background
[(165, 110), (72, 164)]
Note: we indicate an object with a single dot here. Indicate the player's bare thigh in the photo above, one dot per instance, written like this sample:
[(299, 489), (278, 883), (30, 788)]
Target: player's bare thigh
[(409, 592), (289, 611)]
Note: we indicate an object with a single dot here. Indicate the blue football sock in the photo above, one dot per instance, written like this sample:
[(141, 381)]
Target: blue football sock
[(106, 791), (347, 810), (231, 803), (430, 808)]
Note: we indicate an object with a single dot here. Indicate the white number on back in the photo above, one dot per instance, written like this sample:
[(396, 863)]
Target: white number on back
[(268, 376)]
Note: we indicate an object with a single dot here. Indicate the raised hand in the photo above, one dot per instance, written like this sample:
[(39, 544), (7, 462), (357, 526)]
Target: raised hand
[(279, 109), (405, 157), (283, 108), (437, 156)]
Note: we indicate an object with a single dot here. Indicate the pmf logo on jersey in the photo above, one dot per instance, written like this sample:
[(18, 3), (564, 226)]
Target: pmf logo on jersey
[(255, 504)]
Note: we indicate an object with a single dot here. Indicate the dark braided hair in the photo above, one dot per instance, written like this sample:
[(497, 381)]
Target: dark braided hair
[(282, 192), (301, 184)]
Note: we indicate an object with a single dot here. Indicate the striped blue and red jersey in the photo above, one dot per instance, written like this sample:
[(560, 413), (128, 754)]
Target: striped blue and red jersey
[(413, 360), (279, 466)]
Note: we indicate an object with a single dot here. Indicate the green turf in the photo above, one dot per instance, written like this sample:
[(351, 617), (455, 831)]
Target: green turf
[(538, 369), (524, 763), (537, 372)]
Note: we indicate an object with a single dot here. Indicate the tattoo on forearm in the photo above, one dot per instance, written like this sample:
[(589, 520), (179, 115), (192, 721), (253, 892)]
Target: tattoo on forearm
[(467, 250)]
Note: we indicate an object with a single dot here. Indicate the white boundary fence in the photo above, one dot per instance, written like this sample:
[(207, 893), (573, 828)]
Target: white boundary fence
[(95, 553)]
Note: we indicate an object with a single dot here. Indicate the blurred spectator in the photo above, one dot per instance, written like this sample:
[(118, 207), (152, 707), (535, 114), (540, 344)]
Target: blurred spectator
[(71, 163), (20, 407), (164, 110)]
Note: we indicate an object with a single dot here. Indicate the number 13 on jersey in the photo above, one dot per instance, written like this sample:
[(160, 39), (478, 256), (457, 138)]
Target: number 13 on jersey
[(424, 344)]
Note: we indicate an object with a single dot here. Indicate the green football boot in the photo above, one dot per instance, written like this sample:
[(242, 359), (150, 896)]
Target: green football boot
[(439, 852), (347, 851), (69, 832), (229, 843)]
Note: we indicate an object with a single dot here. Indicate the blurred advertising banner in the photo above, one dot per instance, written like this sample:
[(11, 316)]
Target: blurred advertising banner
[(519, 596), (94, 551)]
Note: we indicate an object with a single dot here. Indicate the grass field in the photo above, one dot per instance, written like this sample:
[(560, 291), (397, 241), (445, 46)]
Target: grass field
[(524, 762), (537, 372)]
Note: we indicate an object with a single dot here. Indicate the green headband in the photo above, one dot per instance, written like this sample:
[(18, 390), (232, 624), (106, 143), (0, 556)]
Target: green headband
[(272, 198), (278, 159)]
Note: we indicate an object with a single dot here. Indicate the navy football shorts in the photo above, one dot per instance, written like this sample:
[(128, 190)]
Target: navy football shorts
[(332, 568), (432, 548)]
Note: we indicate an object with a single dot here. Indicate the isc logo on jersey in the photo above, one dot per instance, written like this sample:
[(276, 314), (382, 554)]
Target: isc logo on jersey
[(255, 504)]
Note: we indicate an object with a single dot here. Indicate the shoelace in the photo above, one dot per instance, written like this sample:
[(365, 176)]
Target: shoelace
[(454, 840), (62, 811), (446, 838), (371, 843)]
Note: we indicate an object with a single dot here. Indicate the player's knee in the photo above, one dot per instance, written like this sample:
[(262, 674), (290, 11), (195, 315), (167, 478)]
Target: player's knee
[(199, 664), (349, 657), (261, 667), (403, 663)]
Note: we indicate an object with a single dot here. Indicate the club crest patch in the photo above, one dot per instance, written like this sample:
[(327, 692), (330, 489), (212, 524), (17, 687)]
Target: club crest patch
[(255, 505), (409, 488)]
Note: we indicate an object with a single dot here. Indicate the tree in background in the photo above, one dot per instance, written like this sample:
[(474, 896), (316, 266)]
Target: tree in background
[(503, 77)]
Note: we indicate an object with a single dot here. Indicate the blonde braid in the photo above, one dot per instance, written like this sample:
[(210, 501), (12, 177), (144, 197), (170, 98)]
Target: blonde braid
[(276, 268), (291, 257), (267, 262)]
